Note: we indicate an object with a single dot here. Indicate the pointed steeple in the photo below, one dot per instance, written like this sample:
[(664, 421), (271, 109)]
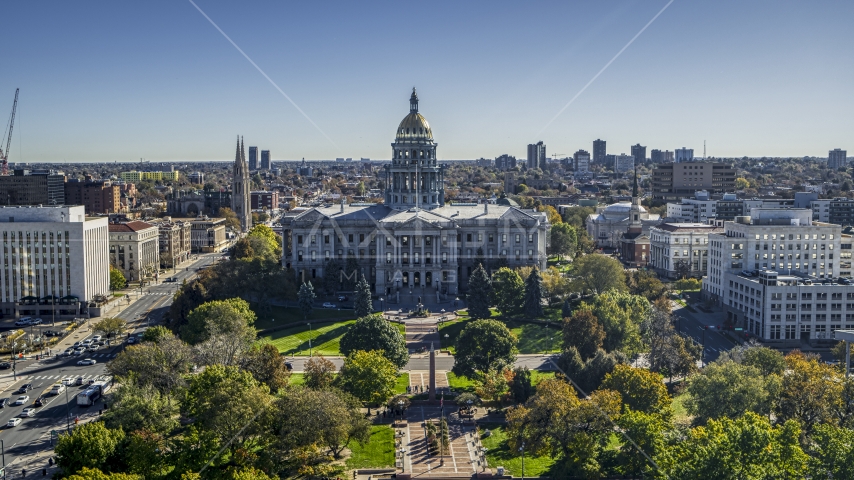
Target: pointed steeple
[(635, 187)]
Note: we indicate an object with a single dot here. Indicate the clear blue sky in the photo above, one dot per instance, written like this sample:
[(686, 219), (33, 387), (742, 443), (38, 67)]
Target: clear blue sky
[(109, 80)]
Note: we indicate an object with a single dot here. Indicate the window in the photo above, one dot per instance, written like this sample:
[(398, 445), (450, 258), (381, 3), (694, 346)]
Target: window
[(444, 257), (518, 238), (491, 238), (326, 239), (388, 257), (299, 239), (361, 237), (299, 256), (775, 332), (503, 238), (415, 258), (479, 237), (468, 237), (313, 239)]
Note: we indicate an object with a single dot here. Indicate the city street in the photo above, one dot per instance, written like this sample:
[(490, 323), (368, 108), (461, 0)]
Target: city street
[(694, 325), (444, 362), (29, 442)]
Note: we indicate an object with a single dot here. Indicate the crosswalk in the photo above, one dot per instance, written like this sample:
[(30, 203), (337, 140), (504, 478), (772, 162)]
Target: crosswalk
[(161, 294), (61, 377)]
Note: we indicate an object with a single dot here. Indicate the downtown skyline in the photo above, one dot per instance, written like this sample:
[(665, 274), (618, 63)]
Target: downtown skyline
[(120, 82)]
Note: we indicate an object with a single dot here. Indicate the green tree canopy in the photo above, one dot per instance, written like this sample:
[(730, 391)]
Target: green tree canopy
[(232, 316), (479, 293), (484, 345), (641, 390), (533, 301), (373, 332), (582, 331), (368, 376), (90, 445), (621, 315), (597, 274), (267, 366), (508, 290), (117, 279), (319, 373), (564, 240), (729, 389), (141, 407), (110, 326), (362, 302), (306, 299)]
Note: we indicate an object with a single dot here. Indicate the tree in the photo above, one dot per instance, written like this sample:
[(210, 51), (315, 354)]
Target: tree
[(155, 333), (563, 240), (555, 284), (306, 299), (646, 432), (744, 448), (135, 406), (484, 345), (231, 220), (729, 389), (331, 276), (267, 366), (479, 293), (89, 445), (362, 302), (492, 385), (551, 213), (110, 326), (566, 309), (117, 279), (319, 373), (369, 376), (767, 360), (582, 331), (228, 402), (533, 303), (597, 274), (669, 353), (641, 390), (162, 364), (741, 183), (86, 473), (328, 417), (588, 375), (811, 391), (507, 290), (232, 316), (521, 387), (621, 316), (832, 452), (373, 332), (645, 283), (272, 242)]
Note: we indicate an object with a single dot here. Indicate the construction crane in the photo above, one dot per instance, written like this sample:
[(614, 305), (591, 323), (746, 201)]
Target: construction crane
[(4, 154)]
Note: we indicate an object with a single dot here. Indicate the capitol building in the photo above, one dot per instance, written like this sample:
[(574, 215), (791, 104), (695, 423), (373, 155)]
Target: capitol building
[(414, 244)]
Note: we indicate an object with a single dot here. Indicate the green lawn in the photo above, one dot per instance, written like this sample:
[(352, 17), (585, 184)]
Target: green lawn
[(537, 376), (680, 413), (402, 383), (325, 338), (460, 384), (278, 316), (402, 328), (377, 452), (297, 379), (499, 454), (533, 338)]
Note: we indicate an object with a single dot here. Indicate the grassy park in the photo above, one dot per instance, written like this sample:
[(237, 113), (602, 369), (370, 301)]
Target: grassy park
[(325, 338), (498, 453), (278, 316), (377, 452), (533, 338)]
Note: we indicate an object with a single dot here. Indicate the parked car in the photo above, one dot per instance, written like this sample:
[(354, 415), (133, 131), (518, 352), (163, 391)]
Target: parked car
[(87, 361), (37, 321), (22, 323), (13, 422), (342, 298), (131, 340), (329, 305), (23, 399), (51, 333), (5, 365), (25, 388), (28, 412)]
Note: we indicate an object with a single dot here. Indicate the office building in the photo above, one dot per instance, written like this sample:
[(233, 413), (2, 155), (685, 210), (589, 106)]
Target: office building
[(581, 161), (599, 151), (38, 187), (253, 159), (624, 163), (840, 211), (673, 181), (680, 250), (135, 250), (266, 162), (837, 158), (684, 155), (240, 187), (207, 235), (263, 200), (656, 156), (137, 176), (639, 152), (97, 196), (414, 245), (698, 209), (175, 242), (776, 275), (52, 251), (536, 155), (505, 162)]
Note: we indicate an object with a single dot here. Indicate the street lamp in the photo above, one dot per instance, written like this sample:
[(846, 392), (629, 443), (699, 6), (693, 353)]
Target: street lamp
[(382, 304), (522, 449), (67, 410), (309, 339)]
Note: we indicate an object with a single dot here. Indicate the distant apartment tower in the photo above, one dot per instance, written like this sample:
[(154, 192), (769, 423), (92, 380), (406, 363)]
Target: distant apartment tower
[(684, 155), (265, 160), (668, 156), (837, 159), (639, 152), (581, 161), (505, 162), (253, 159), (623, 163), (673, 181), (599, 151), (656, 156), (537, 155), (40, 187)]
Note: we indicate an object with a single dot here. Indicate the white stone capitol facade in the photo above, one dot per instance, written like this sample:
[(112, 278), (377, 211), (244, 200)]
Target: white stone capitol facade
[(414, 242)]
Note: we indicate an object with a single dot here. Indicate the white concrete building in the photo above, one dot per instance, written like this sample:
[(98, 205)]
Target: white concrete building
[(624, 163), (52, 251), (777, 275), (135, 250), (693, 210), (678, 249)]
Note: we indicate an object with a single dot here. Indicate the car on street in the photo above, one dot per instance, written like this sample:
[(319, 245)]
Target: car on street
[(5, 365), (37, 321), (87, 361), (76, 344), (68, 381), (93, 347), (40, 402), (69, 351), (329, 305), (79, 351), (28, 412), (25, 388), (23, 399), (86, 343), (289, 366), (14, 422), (4, 402), (131, 340), (22, 323), (342, 298), (79, 381), (51, 333), (96, 338)]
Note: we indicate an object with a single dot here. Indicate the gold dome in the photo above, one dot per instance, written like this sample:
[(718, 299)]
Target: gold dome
[(414, 128)]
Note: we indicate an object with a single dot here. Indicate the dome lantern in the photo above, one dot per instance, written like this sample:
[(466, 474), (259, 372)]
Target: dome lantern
[(413, 102)]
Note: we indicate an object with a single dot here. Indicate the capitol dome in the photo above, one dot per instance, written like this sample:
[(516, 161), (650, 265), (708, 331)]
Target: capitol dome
[(414, 127)]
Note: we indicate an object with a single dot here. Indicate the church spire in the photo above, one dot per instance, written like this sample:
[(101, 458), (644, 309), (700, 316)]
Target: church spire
[(635, 187), (413, 102)]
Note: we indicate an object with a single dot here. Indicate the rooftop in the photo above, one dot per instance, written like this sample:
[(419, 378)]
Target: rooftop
[(134, 226)]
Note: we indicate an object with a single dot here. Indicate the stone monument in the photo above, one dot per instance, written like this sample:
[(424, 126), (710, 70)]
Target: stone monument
[(432, 385)]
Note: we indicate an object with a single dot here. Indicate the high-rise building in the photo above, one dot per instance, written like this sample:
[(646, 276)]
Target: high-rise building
[(97, 197), (656, 156), (505, 162), (240, 188), (837, 158), (673, 181), (668, 156), (599, 151), (639, 152), (582, 161), (265, 160), (39, 187), (537, 155), (623, 163), (54, 251), (684, 155), (253, 159)]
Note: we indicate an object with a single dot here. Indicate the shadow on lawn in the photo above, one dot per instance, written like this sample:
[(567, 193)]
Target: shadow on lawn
[(319, 340)]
